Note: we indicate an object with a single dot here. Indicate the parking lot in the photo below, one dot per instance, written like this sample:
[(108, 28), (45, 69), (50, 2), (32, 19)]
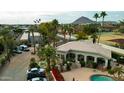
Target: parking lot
[(16, 69)]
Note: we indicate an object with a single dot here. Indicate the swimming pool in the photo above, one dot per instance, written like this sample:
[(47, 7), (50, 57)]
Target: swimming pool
[(98, 77)]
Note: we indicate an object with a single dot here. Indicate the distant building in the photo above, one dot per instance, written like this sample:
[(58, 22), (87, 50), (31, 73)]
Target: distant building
[(28, 37)]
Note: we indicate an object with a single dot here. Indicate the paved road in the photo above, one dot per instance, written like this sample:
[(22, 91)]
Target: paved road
[(16, 69)]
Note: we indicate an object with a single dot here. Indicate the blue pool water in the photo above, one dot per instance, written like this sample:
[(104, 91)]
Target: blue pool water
[(100, 78)]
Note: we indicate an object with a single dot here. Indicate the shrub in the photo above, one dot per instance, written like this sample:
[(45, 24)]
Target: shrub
[(81, 35), (68, 67), (94, 65), (33, 64), (90, 64), (32, 59), (121, 30), (111, 72), (82, 63)]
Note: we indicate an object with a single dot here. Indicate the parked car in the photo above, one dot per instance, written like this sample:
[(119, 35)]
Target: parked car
[(35, 72), (23, 48), (17, 50)]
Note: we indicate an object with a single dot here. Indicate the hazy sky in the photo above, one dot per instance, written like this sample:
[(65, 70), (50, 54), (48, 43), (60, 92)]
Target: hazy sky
[(62, 17)]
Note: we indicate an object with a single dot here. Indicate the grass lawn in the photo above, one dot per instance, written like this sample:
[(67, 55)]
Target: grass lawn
[(109, 36)]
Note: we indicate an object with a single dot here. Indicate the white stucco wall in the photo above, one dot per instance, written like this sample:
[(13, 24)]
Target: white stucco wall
[(86, 54)]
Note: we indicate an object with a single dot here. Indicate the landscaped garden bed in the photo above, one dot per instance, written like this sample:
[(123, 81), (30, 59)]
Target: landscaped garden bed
[(119, 42), (57, 75)]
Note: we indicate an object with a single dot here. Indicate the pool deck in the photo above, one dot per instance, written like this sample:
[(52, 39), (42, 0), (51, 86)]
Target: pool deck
[(81, 74)]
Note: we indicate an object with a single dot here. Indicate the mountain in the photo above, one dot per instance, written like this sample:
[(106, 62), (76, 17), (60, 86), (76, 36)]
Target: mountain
[(83, 20)]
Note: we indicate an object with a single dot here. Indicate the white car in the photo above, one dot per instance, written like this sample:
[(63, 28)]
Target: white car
[(38, 79), (23, 48)]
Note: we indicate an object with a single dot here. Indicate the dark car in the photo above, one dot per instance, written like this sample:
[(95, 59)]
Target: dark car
[(17, 50), (35, 72)]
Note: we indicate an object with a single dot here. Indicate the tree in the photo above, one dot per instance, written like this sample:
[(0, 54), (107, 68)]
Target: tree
[(81, 35), (96, 16), (55, 25), (117, 73), (70, 31), (48, 53), (94, 36), (102, 14), (49, 31), (43, 30), (8, 41), (64, 30), (32, 29), (90, 29)]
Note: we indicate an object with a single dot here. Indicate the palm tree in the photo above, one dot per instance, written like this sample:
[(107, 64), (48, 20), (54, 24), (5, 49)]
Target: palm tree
[(48, 33), (117, 73), (64, 30), (55, 25), (48, 53), (96, 16), (70, 31), (94, 36), (32, 30), (102, 14)]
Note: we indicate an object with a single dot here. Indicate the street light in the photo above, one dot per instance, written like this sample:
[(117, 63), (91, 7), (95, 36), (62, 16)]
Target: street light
[(37, 21)]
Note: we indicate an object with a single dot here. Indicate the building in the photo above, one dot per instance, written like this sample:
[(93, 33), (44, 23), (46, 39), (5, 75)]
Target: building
[(28, 37), (85, 51)]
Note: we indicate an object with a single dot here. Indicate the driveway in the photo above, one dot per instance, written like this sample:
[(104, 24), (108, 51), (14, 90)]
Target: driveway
[(16, 69)]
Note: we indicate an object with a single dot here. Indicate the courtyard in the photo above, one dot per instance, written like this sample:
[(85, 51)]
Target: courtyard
[(81, 74)]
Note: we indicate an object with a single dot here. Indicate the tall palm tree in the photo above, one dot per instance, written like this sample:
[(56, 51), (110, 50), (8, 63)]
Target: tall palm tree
[(55, 25), (94, 36), (64, 30), (32, 30), (96, 16), (102, 14), (70, 31)]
